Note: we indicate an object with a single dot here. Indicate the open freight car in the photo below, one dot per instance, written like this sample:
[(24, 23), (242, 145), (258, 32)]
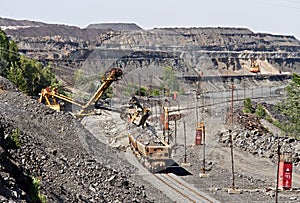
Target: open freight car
[(153, 153)]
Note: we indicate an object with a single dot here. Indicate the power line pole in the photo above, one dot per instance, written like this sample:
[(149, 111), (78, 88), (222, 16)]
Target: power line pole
[(184, 142), (232, 163), (278, 160), (230, 136), (232, 190)]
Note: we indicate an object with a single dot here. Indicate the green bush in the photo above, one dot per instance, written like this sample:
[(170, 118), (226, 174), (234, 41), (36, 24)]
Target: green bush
[(260, 111), (141, 92), (155, 92), (248, 106), (35, 194), (13, 139)]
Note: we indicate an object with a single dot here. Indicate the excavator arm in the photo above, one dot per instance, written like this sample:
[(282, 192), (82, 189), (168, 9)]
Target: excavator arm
[(114, 74), (49, 96)]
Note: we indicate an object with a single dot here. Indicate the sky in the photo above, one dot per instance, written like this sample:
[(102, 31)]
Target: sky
[(267, 16)]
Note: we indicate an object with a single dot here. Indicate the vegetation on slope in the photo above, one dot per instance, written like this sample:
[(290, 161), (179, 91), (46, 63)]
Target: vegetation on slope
[(290, 108), (29, 75)]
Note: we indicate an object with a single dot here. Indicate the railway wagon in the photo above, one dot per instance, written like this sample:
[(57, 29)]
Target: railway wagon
[(153, 153)]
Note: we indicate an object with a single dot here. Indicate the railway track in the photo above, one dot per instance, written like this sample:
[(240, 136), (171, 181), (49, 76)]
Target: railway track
[(186, 193)]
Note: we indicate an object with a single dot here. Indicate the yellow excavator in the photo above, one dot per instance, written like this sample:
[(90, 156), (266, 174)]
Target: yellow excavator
[(254, 67), (52, 98), (137, 113)]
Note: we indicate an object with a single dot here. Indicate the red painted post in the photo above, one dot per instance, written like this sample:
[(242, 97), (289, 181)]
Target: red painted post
[(285, 171), (199, 133)]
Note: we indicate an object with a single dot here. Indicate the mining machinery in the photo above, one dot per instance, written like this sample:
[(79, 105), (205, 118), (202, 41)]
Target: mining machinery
[(54, 100), (254, 67), (138, 114)]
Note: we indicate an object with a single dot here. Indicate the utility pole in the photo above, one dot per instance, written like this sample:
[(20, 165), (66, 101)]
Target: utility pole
[(232, 163), (278, 160), (230, 136), (232, 190), (231, 110), (184, 142), (175, 132), (185, 162), (196, 99), (203, 174), (203, 137), (139, 75)]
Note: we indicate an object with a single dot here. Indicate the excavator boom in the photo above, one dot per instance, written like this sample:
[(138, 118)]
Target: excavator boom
[(50, 96), (114, 74)]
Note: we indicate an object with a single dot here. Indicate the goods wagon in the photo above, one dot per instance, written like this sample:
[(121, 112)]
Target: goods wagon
[(153, 153)]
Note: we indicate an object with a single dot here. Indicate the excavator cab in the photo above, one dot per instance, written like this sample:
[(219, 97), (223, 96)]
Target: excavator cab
[(47, 97), (138, 114)]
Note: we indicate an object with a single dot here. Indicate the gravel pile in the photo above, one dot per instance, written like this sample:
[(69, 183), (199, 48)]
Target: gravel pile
[(52, 152), (255, 173), (258, 141)]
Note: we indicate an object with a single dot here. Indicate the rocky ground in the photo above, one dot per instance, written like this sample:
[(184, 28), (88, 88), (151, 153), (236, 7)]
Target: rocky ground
[(74, 164), (257, 140), (255, 156), (46, 158), (254, 149)]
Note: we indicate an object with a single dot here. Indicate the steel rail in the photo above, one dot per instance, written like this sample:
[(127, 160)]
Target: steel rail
[(165, 182), (179, 191), (191, 189)]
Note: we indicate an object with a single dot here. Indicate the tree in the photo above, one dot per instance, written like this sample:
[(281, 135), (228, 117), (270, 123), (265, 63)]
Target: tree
[(290, 107), (169, 78), (30, 76), (4, 45), (13, 55), (15, 75), (9, 55)]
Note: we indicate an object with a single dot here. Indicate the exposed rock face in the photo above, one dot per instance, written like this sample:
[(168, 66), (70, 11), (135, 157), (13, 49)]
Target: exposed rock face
[(208, 50)]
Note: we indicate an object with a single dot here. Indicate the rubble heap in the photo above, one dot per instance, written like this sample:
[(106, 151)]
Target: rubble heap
[(254, 138), (48, 149)]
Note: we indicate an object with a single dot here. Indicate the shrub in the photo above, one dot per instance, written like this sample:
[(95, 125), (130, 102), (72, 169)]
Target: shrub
[(248, 106), (13, 139), (260, 111), (35, 194)]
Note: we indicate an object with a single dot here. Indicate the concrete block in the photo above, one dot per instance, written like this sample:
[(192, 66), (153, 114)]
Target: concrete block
[(185, 164), (234, 191), (203, 175)]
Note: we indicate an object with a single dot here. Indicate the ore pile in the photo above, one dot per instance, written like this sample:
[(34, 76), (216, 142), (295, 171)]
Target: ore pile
[(254, 138), (147, 136), (52, 151)]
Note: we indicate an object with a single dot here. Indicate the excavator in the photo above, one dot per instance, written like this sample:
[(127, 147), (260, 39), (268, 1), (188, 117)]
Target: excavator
[(137, 113), (254, 67), (53, 99)]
